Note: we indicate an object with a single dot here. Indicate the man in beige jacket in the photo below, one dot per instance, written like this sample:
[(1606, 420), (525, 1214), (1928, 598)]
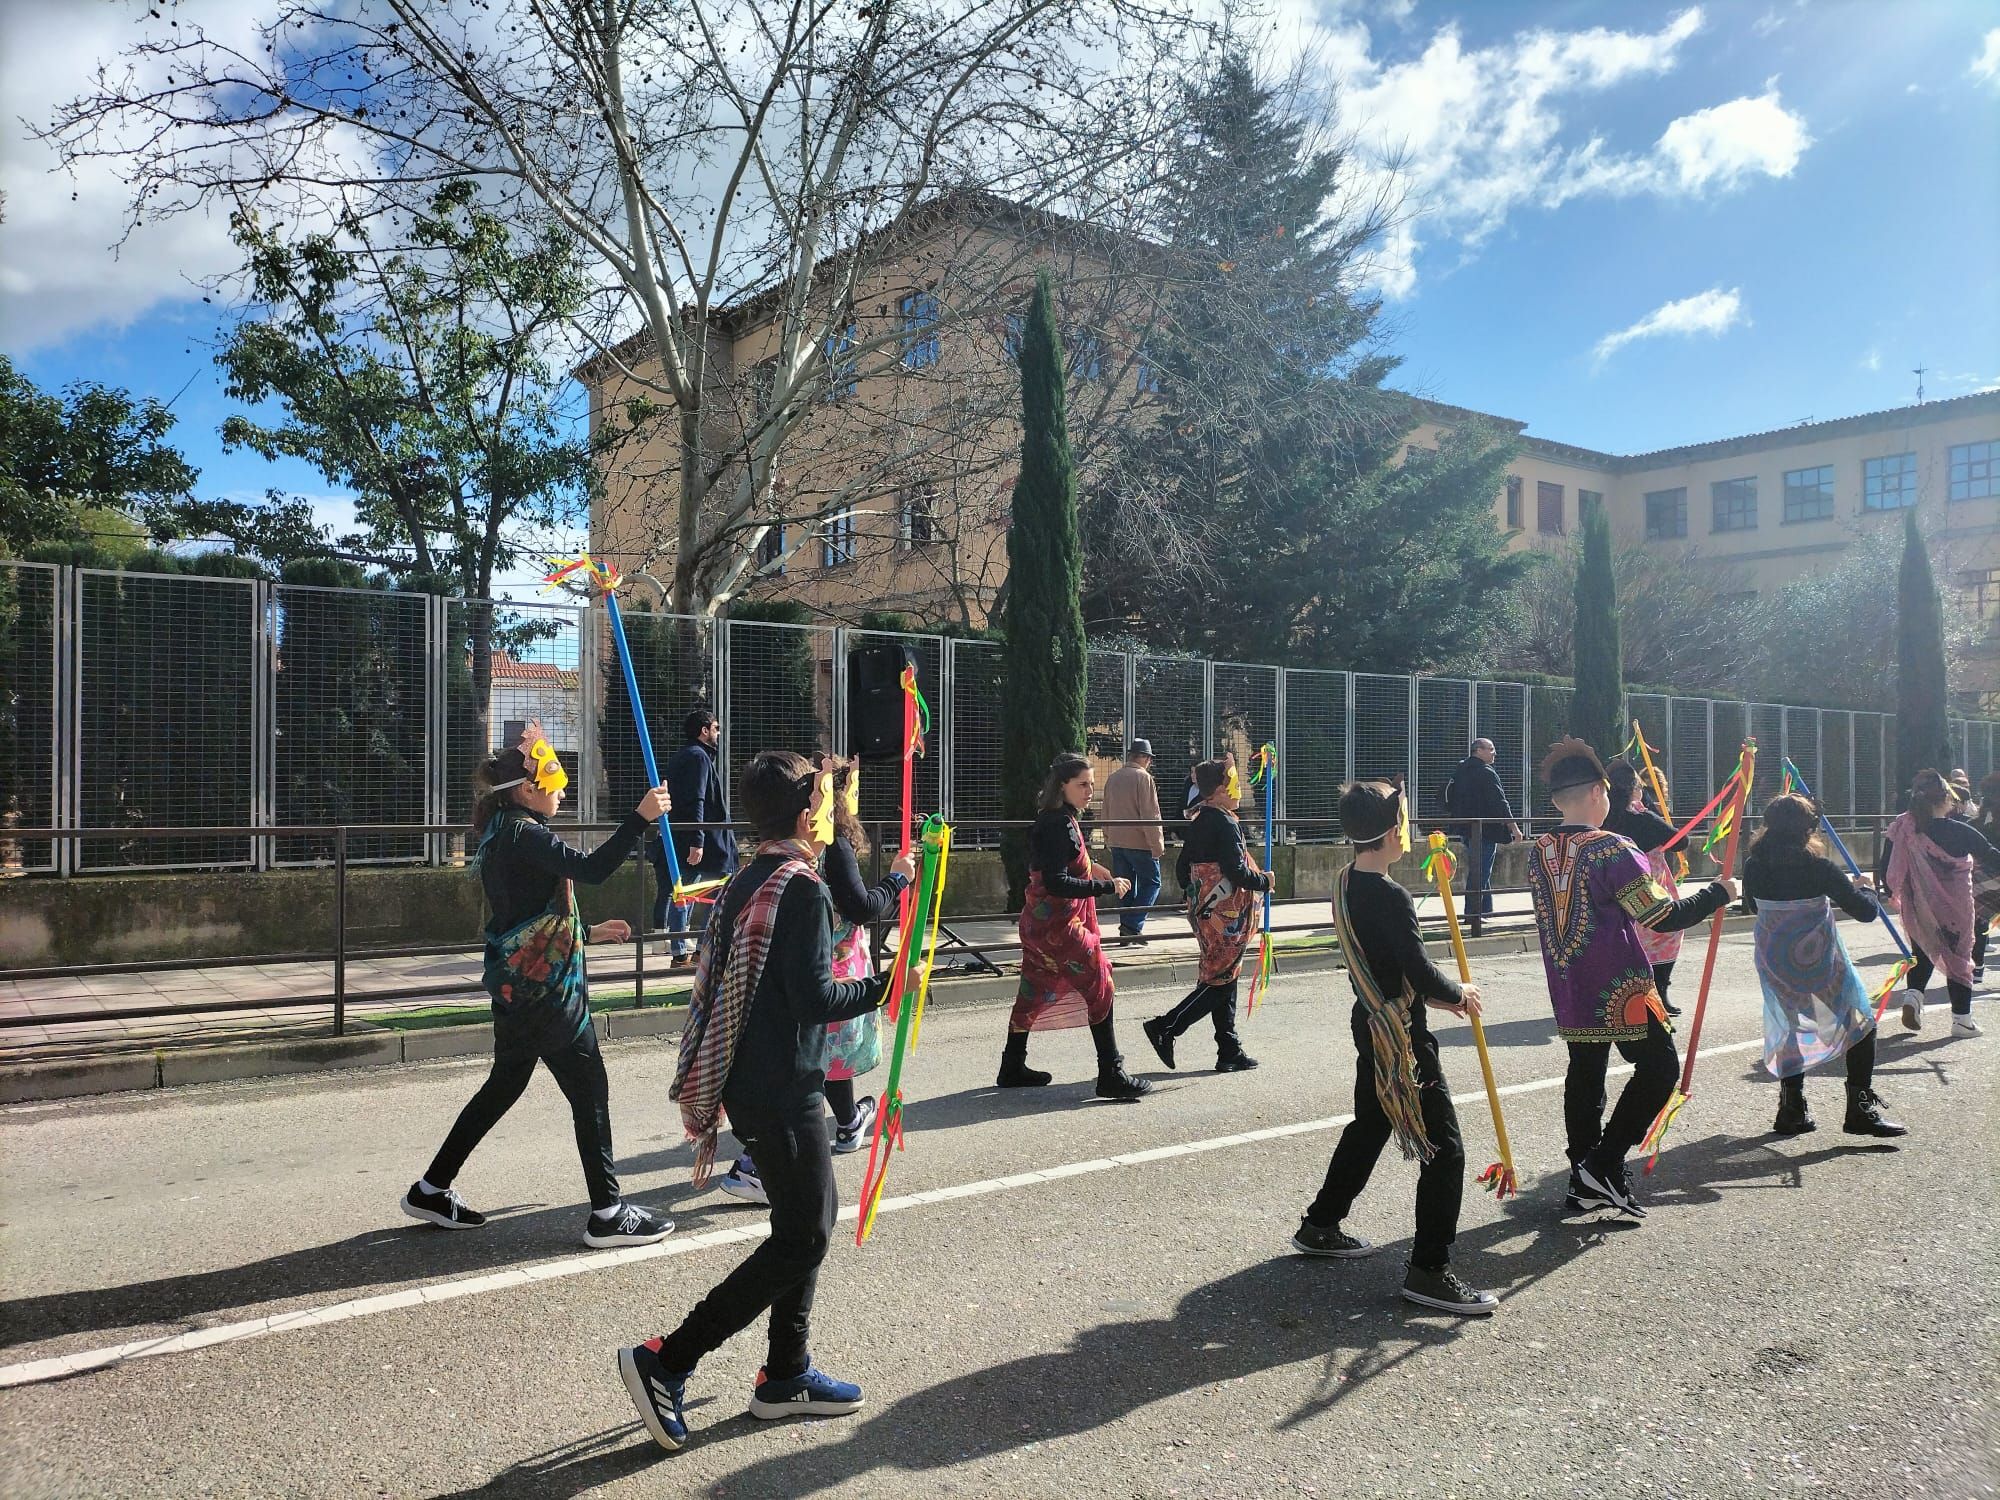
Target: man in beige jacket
[(1132, 833)]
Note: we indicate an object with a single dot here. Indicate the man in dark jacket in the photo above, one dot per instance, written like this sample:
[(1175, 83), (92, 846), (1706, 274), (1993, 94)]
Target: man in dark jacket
[(1474, 792), (694, 781)]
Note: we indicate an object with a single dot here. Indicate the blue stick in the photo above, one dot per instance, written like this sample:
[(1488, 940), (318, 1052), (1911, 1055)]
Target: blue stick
[(639, 720), (1852, 868)]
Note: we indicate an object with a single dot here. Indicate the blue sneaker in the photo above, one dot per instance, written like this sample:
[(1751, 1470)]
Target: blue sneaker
[(657, 1392), (809, 1395)]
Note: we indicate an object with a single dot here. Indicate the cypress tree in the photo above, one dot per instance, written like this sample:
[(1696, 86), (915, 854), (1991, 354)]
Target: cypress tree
[(1597, 712), (1041, 694), (1923, 735)]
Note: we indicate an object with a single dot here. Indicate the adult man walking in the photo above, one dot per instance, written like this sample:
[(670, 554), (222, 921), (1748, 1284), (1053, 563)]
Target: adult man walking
[(694, 781), (1134, 836), (1474, 792)]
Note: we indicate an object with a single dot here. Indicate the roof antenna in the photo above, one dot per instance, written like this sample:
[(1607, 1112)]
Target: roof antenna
[(1919, 372)]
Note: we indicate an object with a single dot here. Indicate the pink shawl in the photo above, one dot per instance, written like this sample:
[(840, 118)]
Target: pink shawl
[(1935, 891)]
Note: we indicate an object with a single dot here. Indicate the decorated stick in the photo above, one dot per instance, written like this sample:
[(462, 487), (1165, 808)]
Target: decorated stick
[(1745, 778), (1267, 959), (1795, 782), (1659, 785), (1498, 1179)]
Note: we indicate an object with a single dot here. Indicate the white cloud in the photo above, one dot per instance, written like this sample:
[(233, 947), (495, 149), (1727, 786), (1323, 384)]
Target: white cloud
[(1712, 312), (1872, 361), (1721, 146), (1986, 66)]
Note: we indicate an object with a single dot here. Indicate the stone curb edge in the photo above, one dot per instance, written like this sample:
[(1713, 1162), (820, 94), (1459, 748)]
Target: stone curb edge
[(32, 1082)]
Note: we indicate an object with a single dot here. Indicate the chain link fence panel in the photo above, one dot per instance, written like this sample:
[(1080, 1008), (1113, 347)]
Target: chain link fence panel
[(31, 642), (1246, 718), (1689, 776), (1871, 743), (882, 780), (1835, 785), (978, 671), (1444, 738), (1503, 718), (1312, 751), (1802, 749), (1170, 708), (778, 691), (1383, 728)]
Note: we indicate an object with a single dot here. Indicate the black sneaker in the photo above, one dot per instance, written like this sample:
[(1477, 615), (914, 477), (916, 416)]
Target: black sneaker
[(446, 1209), (1163, 1043), (848, 1138), (1865, 1117), (1581, 1199), (657, 1392), (1238, 1061), (1119, 1085), (1670, 1008), (1443, 1290), (630, 1225), (1330, 1240), (1612, 1185), (1016, 1074)]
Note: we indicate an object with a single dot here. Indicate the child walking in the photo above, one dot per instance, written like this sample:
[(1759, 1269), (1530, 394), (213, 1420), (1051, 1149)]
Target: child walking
[(1221, 882), (755, 1045), (534, 973), (1592, 893), (1815, 1006), (1926, 866), (1399, 1086)]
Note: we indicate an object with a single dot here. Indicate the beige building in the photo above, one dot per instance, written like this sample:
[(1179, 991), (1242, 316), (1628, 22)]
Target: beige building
[(926, 533)]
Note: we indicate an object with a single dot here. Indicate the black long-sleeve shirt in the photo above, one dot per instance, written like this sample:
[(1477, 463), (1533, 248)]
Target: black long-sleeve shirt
[(1053, 845), (1645, 828), (1385, 925), (781, 1059), (522, 864), (854, 900), (1798, 875), (1953, 835), (1216, 838)]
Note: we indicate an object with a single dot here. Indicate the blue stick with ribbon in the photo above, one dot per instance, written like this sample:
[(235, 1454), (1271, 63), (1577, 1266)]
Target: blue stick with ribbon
[(1792, 773)]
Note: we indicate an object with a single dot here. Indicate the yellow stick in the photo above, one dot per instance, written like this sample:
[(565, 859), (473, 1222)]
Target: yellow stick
[(1659, 785), (1442, 874)]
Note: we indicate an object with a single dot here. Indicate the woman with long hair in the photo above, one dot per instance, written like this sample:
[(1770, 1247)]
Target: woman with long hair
[(1065, 977), (534, 973), (1925, 865), (1815, 1006), (1221, 881), (1631, 818)]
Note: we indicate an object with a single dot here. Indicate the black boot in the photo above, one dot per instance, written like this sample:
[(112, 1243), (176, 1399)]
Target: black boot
[(1161, 1038), (1113, 1082), (1014, 1070), (1229, 1054), (1865, 1117), (1794, 1118)]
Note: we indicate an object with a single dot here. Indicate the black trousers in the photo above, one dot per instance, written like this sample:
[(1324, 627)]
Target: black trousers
[(578, 1068), (1919, 978), (1860, 1062), (1663, 975), (1656, 1067), (1218, 1002), (795, 1164), (1440, 1181)]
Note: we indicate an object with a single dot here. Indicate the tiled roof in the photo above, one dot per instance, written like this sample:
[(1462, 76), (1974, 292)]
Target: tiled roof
[(507, 669)]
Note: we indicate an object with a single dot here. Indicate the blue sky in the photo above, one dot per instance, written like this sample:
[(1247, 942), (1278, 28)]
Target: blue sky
[(1641, 225)]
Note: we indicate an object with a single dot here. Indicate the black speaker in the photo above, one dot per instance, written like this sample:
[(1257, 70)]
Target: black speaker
[(875, 699)]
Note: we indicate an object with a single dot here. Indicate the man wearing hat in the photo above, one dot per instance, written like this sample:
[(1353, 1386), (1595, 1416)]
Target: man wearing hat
[(1399, 1086), (1133, 834), (1593, 891)]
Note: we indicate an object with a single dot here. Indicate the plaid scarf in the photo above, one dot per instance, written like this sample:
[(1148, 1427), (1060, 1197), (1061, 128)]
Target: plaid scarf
[(1396, 1085), (728, 969)]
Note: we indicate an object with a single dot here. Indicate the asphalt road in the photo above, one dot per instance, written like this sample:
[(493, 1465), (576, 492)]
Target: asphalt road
[(1814, 1315)]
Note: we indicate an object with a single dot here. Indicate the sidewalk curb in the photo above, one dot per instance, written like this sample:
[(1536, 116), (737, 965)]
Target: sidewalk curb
[(31, 1082)]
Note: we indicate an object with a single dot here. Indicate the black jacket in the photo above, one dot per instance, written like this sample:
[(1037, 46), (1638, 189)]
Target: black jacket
[(1474, 791), (1799, 876), (1385, 926), (1053, 845), (520, 868), (694, 781), (1213, 838), (781, 1059), (859, 903)]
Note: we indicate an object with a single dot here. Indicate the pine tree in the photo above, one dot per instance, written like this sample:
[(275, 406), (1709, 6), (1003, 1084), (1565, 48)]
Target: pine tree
[(1923, 735), (1597, 712), (1041, 694)]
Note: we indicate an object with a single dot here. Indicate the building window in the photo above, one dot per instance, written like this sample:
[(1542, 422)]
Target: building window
[(920, 330), (1982, 594), (1087, 362), (1010, 341), (841, 362), (838, 547), (919, 519), (1972, 471), (1889, 483), (1149, 373), (1548, 508), (1735, 505), (1666, 515), (771, 550), (1808, 494), (1588, 503), (1513, 502)]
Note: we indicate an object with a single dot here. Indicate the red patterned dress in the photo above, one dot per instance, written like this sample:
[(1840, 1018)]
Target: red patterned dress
[(1065, 977)]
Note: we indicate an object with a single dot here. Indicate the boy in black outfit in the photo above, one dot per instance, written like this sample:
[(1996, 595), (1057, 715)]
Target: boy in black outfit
[(1399, 1085), (755, 1046)]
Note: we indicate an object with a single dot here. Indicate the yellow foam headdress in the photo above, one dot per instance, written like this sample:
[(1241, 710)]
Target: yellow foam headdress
[(821, 806), (539, 763), (1234, 784), (850, 796)]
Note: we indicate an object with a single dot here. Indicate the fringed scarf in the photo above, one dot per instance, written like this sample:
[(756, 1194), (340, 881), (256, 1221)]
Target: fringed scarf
[(1396, 1086), (1935, 889), (717, 1010)]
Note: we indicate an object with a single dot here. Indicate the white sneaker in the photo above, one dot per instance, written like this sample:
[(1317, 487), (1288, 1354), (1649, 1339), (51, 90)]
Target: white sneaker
[(854, 1137), (1913, 1010), (1964, 1026)]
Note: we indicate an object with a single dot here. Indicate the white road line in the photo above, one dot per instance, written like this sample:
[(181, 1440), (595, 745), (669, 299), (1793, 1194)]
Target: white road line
[(59, 1367)]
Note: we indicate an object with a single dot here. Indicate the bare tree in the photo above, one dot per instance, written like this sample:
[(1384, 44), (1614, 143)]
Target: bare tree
[(729, 165)]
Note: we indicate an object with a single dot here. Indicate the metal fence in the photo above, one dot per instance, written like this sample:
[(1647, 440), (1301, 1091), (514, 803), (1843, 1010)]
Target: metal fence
[(136, 701)]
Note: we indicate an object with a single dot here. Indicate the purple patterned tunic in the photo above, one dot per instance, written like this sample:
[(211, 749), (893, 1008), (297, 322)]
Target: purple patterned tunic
[(1592, 892)]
